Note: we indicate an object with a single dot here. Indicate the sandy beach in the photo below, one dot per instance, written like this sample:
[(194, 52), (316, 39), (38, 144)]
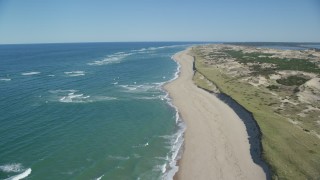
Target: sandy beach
[(216, 142)]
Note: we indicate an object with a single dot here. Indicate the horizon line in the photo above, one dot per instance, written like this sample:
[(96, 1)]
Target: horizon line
[(88, 42)]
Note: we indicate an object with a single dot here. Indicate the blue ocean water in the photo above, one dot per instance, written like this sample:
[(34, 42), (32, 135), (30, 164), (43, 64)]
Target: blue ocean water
[(315, 45), (88, 111)]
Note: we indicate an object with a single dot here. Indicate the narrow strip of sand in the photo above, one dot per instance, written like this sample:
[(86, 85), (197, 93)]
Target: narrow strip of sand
[(216, 142)]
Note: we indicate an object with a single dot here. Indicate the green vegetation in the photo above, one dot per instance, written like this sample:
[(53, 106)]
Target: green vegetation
[(273, 87), (292, 81), (280, 64), (292, 152)]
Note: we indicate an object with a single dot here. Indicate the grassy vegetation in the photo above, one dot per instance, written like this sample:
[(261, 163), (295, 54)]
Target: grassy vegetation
[(291, 152), (273, 87), (292, 81), (281, 64)]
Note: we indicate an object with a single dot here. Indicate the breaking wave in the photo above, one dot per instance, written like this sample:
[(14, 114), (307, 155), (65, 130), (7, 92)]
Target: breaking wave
[(5, 79), (73, 96), (30, 73), (140, 88), (75, 73), (150, 49), (119, 158), (15, 168), (21, 176), (114, 58), (119, 56), (99, 178), (141, 145)]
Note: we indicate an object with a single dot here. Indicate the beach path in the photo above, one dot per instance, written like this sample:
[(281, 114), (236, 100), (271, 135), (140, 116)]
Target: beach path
[(216, 142)]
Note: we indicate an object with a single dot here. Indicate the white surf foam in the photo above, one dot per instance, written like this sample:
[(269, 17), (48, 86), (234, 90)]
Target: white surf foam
[(160, 168), (30, 73), (176, 143), (5, 79), (102, 98), (114, 58), (171, 46), (14, 167), (163, 168), (119, 53), (151, 49), (139, 50), (138, 88), (100, 177), (141, 145), (75, 73), (176, 140), (141, 88), (73, 96), (137, 156), (120, 158), (62, 91), (147, 97), (23, 175), (177, 73)]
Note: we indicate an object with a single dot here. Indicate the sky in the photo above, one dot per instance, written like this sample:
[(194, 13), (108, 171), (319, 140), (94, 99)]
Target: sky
[(55, 21)]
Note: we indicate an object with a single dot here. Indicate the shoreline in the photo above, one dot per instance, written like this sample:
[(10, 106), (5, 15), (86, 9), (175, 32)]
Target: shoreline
[(216, 144), (177, 146)]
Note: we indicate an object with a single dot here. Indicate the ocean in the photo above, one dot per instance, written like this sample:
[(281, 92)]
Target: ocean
[(88, 111), (291, 46)]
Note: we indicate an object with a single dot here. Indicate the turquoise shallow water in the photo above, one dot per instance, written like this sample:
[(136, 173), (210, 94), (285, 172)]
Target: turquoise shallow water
[(88, 111)]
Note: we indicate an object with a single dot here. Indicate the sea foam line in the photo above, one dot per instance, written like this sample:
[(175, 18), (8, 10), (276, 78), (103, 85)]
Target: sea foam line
[(119, 158), (15, 168), (143, 50), (139, 88), (73, 96), (5, 79), (30, 73), (99, 178), (170, 169), (25, 174), (119, 56), (75, 73), (113, 58)]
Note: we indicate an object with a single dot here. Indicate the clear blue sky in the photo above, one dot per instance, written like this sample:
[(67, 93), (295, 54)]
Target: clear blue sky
[(41, 21)]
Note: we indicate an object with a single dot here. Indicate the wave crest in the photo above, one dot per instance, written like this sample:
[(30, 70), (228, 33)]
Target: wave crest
[(5, 79), (75, 73), (119, 158), (114, 58), (14, 167), (30, 73), (72, 96), (21, 176), (147, 87)]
